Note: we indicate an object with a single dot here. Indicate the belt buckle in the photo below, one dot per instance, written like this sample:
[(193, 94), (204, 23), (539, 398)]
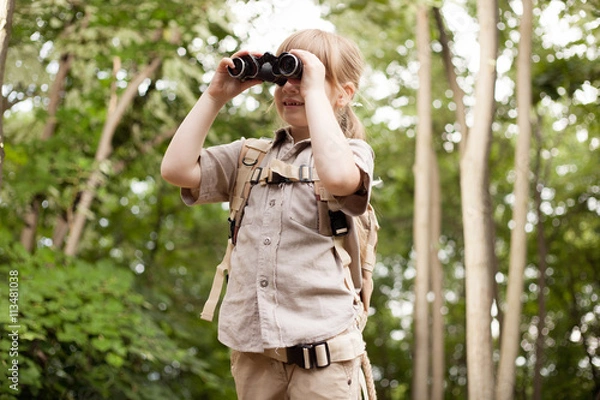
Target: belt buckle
[(309, 356), (322, 355)]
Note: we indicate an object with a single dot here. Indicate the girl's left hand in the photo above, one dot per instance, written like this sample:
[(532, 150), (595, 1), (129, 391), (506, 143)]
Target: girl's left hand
[(313, 72)]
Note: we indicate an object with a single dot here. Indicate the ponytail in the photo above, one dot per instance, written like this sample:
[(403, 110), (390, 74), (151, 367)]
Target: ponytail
[(350, 124)]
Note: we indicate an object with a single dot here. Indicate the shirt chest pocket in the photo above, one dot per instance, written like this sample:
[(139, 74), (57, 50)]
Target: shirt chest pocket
[(302, 205)]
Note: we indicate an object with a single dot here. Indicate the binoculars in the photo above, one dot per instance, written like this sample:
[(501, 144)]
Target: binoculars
[(268, 68)]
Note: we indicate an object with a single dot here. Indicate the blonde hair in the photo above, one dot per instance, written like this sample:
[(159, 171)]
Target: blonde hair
[(343, 64)]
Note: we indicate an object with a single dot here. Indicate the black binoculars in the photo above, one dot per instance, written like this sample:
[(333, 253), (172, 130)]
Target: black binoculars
[(268, 68)]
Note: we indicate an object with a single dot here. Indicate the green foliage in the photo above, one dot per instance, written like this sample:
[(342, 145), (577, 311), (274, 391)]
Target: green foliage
[(84, 331)]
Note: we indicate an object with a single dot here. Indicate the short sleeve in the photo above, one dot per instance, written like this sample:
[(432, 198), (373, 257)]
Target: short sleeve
[(218, 165), (364, 157)]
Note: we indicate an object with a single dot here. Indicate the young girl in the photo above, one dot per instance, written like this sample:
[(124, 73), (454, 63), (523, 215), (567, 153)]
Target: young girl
[(287, 315)]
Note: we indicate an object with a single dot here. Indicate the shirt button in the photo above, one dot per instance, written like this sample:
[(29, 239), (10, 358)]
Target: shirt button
[(264, 283), (267, 241), (272, 203)]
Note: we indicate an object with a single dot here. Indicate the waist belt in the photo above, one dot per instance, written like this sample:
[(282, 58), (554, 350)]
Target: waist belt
[(344, 347)]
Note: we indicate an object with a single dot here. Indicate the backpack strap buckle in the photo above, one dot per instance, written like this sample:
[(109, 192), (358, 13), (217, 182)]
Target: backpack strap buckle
[(256, 174), (339, 223), (275, 178), (305, 173)]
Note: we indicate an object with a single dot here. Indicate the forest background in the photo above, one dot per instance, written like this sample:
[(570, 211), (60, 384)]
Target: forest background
[(108, 270)]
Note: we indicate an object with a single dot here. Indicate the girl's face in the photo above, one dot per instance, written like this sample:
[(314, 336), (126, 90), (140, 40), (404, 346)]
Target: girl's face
[(290, 106)]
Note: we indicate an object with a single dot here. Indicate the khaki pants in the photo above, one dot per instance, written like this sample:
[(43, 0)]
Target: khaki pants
[(259, 377)]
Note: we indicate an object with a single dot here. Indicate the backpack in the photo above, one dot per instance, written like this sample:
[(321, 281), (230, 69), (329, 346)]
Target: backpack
[(355, 238)]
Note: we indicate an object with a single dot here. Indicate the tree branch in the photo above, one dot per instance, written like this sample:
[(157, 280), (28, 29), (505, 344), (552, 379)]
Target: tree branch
[(6, 18), (103, 152), (457, 93)]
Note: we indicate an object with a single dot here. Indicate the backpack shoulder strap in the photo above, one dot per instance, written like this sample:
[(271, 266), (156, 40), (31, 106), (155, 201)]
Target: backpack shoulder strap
[(355, 241), (368, 252), (251, 155)]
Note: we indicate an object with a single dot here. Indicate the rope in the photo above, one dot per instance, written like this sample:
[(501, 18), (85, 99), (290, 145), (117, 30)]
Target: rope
[(368, 371)]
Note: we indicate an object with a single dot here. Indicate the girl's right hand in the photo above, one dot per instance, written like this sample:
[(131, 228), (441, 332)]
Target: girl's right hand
[(223, 86)]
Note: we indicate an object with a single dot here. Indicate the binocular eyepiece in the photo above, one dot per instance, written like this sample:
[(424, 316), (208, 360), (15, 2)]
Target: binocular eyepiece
[(268, 68)]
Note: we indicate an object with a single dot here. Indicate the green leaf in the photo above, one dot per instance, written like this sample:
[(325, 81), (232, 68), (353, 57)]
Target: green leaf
[(115, 360), (102, 344), (72, 333)]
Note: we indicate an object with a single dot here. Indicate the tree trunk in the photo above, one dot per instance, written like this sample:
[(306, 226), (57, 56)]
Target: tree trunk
[(7, 8), (511, 334), (31, 218), (422, 209), (461, 120), (436, 283), (542, 250), (474, 194), (28, 233), (102, 153)]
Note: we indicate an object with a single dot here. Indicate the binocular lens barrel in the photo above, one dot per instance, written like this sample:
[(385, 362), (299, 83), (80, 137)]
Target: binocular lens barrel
[(268, 68), (290, 65), (245, 67)]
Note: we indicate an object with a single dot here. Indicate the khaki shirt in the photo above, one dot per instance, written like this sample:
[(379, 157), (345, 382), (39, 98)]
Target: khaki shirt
[(286, 284)]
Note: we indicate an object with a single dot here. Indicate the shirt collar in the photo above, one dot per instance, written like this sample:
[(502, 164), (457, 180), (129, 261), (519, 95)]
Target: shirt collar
[(284, 135)]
